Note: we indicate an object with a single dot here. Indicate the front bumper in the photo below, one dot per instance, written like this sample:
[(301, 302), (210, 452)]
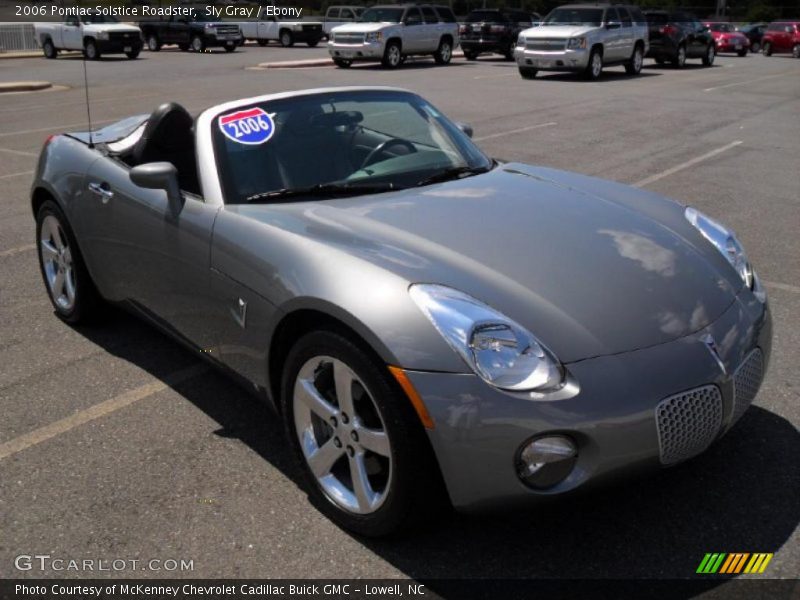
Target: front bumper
[(561, 60), (482, 45), (732, 46), (219, 41), (119, 46), (612, 419), (364, 51)]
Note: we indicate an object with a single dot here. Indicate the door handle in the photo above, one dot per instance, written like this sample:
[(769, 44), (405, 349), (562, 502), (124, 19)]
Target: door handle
[(102, 190)]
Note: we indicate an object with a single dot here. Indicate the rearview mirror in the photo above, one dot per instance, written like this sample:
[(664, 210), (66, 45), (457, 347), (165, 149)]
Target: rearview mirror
[(159, 176), (465, 127)]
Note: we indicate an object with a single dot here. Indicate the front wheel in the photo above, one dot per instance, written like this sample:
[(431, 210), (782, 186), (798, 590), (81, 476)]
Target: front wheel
[(634, 66), (342, 63), (443, 53), (133, 54), (595, 67), (286, 39), (198, 45), (230, 48), (152, 43), (359, 443), (796, 51), (49, 49), (710, 55), (90, 50), (680, 57), (68, 283), (392, 56), (527, 72)]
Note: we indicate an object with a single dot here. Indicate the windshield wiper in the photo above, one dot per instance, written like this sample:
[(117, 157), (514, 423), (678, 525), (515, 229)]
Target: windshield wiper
[(453, 173), (323, 190)]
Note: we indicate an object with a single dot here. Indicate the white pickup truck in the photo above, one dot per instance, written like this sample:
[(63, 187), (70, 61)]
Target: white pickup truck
[(269, 28), (93, 34)]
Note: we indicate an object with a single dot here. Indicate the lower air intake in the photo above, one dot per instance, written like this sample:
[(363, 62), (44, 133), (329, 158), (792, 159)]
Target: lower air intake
[(688, 422), (746, 382)]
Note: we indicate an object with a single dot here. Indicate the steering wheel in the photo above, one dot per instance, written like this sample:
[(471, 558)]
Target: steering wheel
[(381, 148)]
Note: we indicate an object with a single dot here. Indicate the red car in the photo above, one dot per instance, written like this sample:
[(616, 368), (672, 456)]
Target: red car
[(728, 39), (782, 37)]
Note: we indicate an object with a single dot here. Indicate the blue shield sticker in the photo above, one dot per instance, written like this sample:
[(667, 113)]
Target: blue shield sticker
[(252, 126)]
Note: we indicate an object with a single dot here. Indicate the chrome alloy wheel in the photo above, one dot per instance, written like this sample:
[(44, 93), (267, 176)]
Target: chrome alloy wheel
[(445, 52), (638, 60), (393, 55), (342, 435), (57, 261), (597, 65)]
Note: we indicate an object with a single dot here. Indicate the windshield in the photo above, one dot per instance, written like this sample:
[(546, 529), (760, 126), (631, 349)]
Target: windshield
[(98, 19), (382, 15), (354, 138), (575, 16)]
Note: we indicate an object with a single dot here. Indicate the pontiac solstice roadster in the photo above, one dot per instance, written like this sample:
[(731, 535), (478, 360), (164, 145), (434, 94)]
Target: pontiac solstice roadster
[(428, 323)]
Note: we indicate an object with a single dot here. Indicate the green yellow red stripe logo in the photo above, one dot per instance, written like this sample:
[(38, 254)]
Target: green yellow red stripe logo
[(734, 563)]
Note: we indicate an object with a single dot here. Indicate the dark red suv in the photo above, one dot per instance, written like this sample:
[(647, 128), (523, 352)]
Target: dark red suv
[(782, 37)]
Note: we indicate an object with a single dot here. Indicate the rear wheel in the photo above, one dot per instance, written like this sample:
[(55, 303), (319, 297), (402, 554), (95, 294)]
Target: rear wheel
[(90, 50), (595, 67), (755, 47), (680, 57), (133, 54), (286, 39), (198, 45), (68, 283), (444, 52), (49, 49), (796, 51), (362, 450), (767, 49), (709, 56), (634, 66), (342, 63), (392, 55), (153, 44), (527, 72)]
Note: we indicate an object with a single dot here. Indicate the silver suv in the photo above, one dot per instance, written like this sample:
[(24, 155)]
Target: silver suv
[(584, 38), (390, 33)]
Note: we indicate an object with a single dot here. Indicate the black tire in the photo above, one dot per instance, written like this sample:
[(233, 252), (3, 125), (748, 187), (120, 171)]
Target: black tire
[(594, 69), (796, 51), (49, 49), (415, 489), (342, 63), (392, 55), (742, 52), (154, 44), (87, 301), (90, 50), (197, 44), (767, 49), (679, 61), (230, 48), (527, 72), (709, 56), (312, 43), (444, 53), (133, 54), (755, 47), (634, 65), (470, 55), (286, 38), (263, 43)]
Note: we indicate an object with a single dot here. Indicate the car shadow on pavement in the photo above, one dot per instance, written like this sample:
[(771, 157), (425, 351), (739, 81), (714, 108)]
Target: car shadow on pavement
[(739, 496)]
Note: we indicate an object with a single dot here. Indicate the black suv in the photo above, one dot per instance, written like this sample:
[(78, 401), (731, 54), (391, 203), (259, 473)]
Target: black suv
[(676, 36), (492, 30)]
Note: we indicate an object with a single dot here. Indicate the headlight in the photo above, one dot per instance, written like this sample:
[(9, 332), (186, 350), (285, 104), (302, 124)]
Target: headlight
[(521, 40), (298, 27), (725, 241), (209, 26), (576, 43), (499, 350), (375, 36), (102, 35)]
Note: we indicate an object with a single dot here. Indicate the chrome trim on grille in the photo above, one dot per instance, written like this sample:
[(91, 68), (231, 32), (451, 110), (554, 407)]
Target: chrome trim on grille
[(746, 382), (348, 38), (688, 422), (545, 44)]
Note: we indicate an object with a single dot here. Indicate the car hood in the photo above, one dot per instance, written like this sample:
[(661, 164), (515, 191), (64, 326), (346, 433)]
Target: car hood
[(590, 267), (558, 31), (110, 27), (362, 27)]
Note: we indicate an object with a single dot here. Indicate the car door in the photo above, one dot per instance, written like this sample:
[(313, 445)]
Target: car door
[(612, 36), (179, 30), (413, 34), (432, 28), (697, 39), (157, 259), (626, 37), (268, 28), (72, 34)]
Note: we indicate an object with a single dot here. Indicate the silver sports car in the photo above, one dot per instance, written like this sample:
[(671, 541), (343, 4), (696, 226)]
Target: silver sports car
[(429, 323)]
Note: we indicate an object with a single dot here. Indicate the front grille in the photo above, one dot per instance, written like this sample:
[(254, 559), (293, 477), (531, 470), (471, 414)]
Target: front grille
[(123, 36), (349, 38), (545, 44), (688, 422), (227, 29), (746, 381)]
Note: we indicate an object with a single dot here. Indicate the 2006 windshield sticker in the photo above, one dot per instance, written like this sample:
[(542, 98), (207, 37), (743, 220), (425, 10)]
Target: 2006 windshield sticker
[(253, 126)]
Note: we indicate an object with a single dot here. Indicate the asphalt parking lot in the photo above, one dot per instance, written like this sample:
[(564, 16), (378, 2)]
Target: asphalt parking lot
[(177, 462)]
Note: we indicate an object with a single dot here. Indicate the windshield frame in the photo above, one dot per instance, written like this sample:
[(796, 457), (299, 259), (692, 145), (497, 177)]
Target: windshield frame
[(399, 10), (558, 12)]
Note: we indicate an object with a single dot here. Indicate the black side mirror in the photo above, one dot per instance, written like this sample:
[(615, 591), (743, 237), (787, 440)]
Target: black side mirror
[(465, 127), (160, 176)]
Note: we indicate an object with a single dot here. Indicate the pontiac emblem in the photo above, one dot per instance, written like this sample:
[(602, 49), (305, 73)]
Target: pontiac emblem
[(711, 345)]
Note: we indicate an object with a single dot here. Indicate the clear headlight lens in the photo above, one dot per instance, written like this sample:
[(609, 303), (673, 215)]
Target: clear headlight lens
[(102, 35), (576, 43), (725, 241), (499, 350), (375, 36), (521, 40)]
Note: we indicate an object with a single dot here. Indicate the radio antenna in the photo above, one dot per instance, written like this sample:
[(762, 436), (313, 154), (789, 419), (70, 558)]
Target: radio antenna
[(88, 110)]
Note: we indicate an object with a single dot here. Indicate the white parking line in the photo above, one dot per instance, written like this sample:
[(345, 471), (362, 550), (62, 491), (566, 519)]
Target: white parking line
[(82, 103), (37, 436), (20, 152), (685, 165), (493, 76), (17, 250), (782, 286), (520, 130), (748, 82), (21, 173)]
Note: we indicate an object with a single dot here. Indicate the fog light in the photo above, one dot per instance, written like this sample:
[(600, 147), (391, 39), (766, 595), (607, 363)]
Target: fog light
[(545, 461)]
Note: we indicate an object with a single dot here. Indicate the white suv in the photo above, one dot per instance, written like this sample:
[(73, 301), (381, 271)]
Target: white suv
[(584, 38), (390, 33)]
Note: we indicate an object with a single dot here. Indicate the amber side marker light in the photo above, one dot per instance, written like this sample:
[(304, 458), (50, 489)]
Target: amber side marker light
[(413, 395)]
